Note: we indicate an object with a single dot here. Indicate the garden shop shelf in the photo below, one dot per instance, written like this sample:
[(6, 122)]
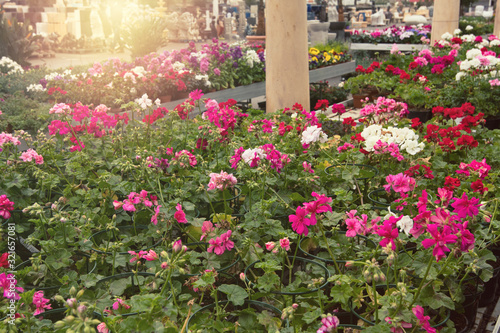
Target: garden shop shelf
[(387, 47), (259, 89)]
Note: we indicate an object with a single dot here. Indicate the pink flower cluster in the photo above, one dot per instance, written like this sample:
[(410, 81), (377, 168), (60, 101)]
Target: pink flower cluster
[(179, 215), (357, 225), (220, 244), (385, 106), (148, 255), (60, 108), (8, 138), (418, 311), (400, 183), (135, 199), (31, 155), (222, 116), (184, 158), (305, 215), (329, 323), (40, 303), (381, 147), (221, 181), (481, 168), (95, 122), (284, 244), (6, 206)]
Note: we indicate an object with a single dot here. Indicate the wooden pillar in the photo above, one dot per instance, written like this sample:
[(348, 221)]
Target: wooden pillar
[(496, 28), (445, 18), (287, 61)]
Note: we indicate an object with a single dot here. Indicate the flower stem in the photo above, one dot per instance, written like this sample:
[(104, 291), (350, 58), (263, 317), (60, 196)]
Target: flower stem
[(431, 260), (328, 248)]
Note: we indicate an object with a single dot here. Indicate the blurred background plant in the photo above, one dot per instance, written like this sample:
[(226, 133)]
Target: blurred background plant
[(16, 42), (144, 32)]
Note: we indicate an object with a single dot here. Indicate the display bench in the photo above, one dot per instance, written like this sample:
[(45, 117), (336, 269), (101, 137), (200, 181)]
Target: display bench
[(254, 90), (387, 47)]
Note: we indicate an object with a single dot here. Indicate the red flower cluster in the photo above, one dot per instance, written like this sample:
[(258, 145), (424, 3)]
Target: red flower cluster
[(415, 171), (370, 69), (53, 90)]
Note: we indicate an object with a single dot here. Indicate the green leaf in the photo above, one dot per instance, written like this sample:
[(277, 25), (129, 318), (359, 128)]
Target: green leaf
[(438, 300), (118, 287), (235, 294), (311, 316)]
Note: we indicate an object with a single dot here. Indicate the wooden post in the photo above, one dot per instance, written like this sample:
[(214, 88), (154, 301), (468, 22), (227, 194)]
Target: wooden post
[(445, 18), (496, 28), (287, 61)]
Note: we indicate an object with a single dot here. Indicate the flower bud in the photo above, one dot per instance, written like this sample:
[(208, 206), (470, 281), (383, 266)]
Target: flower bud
[(71, 302), (80, 293), (177, 245), (295, 305), (72, 291), (242, 276), (164, 254), (69, 319), (164, 265), (82, 308)]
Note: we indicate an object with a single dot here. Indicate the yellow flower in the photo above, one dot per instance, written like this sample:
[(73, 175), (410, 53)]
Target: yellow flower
[(313, 51), (327, 56), (314, 59)]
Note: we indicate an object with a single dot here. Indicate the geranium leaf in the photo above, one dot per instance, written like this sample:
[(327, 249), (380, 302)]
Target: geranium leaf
[(235, 294)]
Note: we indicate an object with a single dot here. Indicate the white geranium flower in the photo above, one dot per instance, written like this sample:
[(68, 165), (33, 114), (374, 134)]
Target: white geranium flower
[(447, 36), (459, 76), (468, 38), (412, 147), (139, 71), (313, 134), (469, 28), (465, 65), (405, 224), (457, 32), (495, 42), (249, 154), (144, 102), (473, 53)]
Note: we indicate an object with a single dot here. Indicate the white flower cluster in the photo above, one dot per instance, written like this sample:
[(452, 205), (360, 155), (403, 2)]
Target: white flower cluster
[(468, 38), (139, 71), (249, 154), (457, 32), (35, 87), (204, 79), (475, 59), (446, 36), (313, 134), (251, 58), (66, 74), (469, 28), (495, 42), (405, 138), (406, 34), (10, 66)]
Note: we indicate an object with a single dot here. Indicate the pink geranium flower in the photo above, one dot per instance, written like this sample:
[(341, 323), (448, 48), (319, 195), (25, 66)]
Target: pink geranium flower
[(285, 244), (221, 181), (439, 240), (179, 215), (466, 207), (299, 221), (40, 303)]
